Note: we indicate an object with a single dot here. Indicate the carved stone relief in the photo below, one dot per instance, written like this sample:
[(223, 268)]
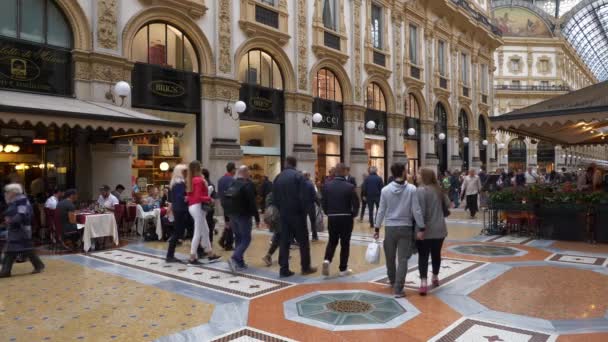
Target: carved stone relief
[(225, 35), (357, 49), (107, 32), (302, 45)]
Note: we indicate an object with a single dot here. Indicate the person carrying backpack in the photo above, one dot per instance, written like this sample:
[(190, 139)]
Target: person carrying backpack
[(239, 204)]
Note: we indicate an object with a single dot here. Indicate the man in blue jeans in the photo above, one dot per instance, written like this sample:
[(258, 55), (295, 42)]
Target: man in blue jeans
[(240, 218), (370, 191)]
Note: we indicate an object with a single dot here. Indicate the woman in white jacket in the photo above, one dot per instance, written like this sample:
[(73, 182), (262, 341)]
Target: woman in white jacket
[(471, 187)]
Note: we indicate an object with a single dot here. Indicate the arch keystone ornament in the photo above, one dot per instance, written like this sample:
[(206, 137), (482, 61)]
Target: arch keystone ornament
[(349, 310)]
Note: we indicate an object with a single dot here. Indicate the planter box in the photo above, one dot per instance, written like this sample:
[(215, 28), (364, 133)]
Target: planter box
[(563, 222), (601, 222)]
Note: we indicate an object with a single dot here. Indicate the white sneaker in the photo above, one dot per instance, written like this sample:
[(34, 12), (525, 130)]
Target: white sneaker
[(325, 270), (346, 273)]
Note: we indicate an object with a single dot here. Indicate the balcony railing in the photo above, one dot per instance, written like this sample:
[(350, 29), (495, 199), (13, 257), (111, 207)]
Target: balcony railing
[(379, 59), (531, 87), (415, 72), (443, 83), (266, 16), (331, 40), (476, 15)]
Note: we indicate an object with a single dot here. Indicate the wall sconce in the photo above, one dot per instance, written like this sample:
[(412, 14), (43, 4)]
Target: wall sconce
[(484, 142), (465, 140), (501, 146), (316, 118), (369, 125), (441, 136), (411, 131), (121, 89), (239, 106), (164, 166), (10, 148)]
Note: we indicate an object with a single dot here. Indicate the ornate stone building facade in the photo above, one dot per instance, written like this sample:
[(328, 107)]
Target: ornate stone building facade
[(393, 80), (535, 63)]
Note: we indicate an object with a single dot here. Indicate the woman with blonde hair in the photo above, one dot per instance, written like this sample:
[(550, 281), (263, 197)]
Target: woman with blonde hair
[(434, 204), (197, 195), (178, 207)]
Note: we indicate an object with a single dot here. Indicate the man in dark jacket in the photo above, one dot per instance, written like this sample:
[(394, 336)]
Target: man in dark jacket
[(371, 189), (223, 184), (240, 219), (289, 195), (265, 189), (311, 200), (352, 180), (341, 205)]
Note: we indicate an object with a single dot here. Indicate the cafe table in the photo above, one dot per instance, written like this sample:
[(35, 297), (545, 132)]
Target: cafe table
[(95, 226)]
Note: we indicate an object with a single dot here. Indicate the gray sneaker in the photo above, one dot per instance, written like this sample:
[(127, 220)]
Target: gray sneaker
[(325, 270), (232, 264), (267, 259)]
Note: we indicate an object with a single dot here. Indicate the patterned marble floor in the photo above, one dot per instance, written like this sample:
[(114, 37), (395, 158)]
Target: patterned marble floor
[(493, 289)]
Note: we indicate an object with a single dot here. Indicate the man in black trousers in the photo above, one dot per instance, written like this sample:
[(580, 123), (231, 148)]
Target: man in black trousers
[(289, 194), (341, 205)]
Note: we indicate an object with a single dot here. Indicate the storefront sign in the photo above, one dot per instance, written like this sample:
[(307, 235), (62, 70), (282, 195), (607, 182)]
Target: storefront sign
[(332, 114), (263, 104), (161, 88), (34, 68), (377, 117)]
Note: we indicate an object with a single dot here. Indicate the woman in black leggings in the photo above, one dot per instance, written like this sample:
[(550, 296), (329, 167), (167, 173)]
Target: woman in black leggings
[(434, 204)]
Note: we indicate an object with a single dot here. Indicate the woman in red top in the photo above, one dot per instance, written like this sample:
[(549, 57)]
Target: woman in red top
[(197, 195)]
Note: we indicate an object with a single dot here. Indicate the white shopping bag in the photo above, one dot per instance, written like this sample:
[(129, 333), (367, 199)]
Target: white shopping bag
[(372, 255)]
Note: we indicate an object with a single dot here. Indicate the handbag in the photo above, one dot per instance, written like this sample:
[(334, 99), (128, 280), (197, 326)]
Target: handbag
[(319, 224), (372, 254)]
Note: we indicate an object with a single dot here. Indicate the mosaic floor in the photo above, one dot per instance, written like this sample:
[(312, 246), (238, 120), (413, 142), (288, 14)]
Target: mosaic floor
[(493, 289)]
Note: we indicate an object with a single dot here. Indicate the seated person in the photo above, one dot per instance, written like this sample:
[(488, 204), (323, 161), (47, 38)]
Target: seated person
[(164, 200), (118, 191), (106, 199), (51, 202), (66, 213), (143, 202)]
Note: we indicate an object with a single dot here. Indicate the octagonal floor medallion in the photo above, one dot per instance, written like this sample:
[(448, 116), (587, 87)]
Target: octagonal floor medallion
[(349, 310)]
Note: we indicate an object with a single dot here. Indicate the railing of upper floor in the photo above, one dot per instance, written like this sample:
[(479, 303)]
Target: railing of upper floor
[(532, 87)]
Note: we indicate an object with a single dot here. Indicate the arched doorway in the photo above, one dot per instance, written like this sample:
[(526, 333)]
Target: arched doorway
[(545, 156), (375, 139), (411, 129), (517, 155), (463, 136), (327, 134), (37, 42), (483, 137), (262, 123), (441, 145), (166, 78)]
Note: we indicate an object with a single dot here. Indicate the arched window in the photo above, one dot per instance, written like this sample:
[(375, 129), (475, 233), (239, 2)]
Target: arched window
[(483, 135), (441, 119), (463, 131), (545, 155), (517, 154), (412, 108), (327, 86), (259, 68), (375, 98), (165, 45), (38, 21)]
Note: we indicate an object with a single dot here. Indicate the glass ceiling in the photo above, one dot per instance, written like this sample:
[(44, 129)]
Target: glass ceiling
[(550, 6), (586, 31)]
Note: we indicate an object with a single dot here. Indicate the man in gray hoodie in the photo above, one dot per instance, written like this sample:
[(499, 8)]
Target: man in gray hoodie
[(400, 208)]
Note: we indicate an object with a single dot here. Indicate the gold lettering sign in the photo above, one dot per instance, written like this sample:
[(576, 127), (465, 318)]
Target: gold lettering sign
[(260, 103), (166, 88), (18, 69)]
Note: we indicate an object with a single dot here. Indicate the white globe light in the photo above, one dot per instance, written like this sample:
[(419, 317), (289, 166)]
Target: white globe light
[(240, 107), (370, 124), (411, 131), (484, 142), (122, 89), (317, 117), (441, 136), (16, 148), (164, 166), (501, 145), (465, 140)]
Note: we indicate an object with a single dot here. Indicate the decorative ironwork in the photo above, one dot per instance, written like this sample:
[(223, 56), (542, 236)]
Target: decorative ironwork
[(266, 16), (331, 40), (482, 19), (415, 72), (379, 58), (349, 306)]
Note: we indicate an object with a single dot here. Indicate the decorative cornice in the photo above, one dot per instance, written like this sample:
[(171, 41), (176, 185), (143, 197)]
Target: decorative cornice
[(194, 8)]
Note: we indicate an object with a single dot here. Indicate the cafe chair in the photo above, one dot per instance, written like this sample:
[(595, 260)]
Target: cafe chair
[(49, 215), (119, 215), (144, 220)]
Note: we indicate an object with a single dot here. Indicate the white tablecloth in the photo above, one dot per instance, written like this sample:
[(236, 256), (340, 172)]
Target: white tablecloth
[(99, 225), (159, 228)]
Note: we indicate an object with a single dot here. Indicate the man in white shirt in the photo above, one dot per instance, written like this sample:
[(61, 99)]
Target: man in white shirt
[(471, 186), (531, 177), (106, 199), (51, 202)]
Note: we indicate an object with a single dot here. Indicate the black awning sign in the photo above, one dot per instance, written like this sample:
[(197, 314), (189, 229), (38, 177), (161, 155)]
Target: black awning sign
[(35, 68)]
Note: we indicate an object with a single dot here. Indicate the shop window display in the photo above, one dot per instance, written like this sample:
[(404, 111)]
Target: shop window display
[(328, 153), (375, 151), (164, 45)]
